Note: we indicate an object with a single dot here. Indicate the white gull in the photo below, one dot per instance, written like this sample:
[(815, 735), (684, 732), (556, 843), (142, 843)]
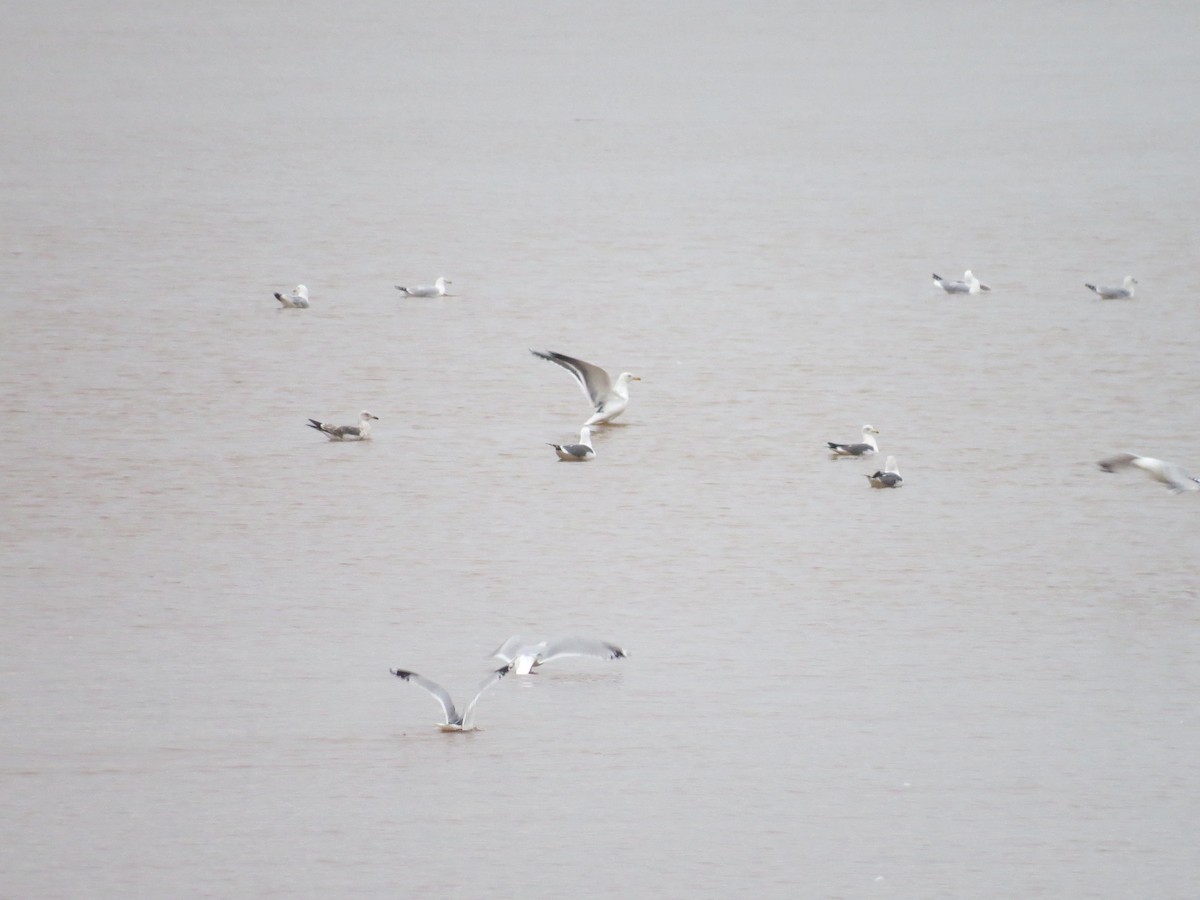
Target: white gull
[(867, 447), (451, 720), (359, 432), (523, 656), (437, 289), (1175, 477), (889, 477), (608, 398), (969, 285), (1125, 291), (580, 452), (297, 299)]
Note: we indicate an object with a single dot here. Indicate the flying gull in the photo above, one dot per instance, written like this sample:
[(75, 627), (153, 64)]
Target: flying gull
[(523, 657), (452, 721), (297, 299), (437, 289), (969, 285), (868, 447), (360, 432), (1175, 477), (608, 399), (1123, 292), (889, 477), (580, 452)]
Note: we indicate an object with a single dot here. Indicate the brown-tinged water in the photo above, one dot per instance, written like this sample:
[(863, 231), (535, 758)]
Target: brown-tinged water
[(981, 685)]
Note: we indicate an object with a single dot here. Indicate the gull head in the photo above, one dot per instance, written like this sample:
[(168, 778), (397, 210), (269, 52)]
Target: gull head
[(364, 415), (626, 377), (870, 429)]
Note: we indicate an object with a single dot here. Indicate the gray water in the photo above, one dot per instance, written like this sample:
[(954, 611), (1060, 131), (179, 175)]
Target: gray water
[(981, 685)]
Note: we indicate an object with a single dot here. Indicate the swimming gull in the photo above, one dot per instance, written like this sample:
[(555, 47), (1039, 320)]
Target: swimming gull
[(969, 285), (580, 452), (889, 477), (297, 299), (437, 289), (1175, 477), (523, 657), (359, 432), (608, 398), (1123, 292), (451, 720), (868, 447)]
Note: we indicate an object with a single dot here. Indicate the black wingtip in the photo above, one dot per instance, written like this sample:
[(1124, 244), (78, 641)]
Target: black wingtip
[(937, 277), (401, 673)]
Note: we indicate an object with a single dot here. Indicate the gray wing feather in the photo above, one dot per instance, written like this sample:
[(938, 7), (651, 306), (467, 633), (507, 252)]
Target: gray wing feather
[(580, 647), (508, 650), (483, 686), (440, 694), (594, 380)]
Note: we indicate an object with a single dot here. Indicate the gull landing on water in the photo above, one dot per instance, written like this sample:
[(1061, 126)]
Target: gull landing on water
[(297, 299), (437, 289), (523, 657), (868, 447), (969, 285), (889, 477), (1175, 477), (451, 720), (580, 452), (359, 432), (1124, 292), (609, 398)]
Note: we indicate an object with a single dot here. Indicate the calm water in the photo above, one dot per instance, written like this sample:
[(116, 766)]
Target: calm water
[(982, 685)]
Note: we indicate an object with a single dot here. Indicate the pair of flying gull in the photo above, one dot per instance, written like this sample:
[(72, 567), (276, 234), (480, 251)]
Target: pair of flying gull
[(519, 657), (608, 397), (888, 477), (970, 285)]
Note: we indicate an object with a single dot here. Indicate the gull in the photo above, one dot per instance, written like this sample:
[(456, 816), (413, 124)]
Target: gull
[(359, 432), (451, 720), (523, 657), (608, 398), (1175, 477), (580, 452), (297, 299), (1123, 292), (437, 289), (969, 285), (889, 477), (867, 448)]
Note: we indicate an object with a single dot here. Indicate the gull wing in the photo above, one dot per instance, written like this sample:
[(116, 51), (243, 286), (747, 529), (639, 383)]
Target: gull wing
[(483, 686), (579, 647), (594, 380), (508, 650), (439, 694)]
